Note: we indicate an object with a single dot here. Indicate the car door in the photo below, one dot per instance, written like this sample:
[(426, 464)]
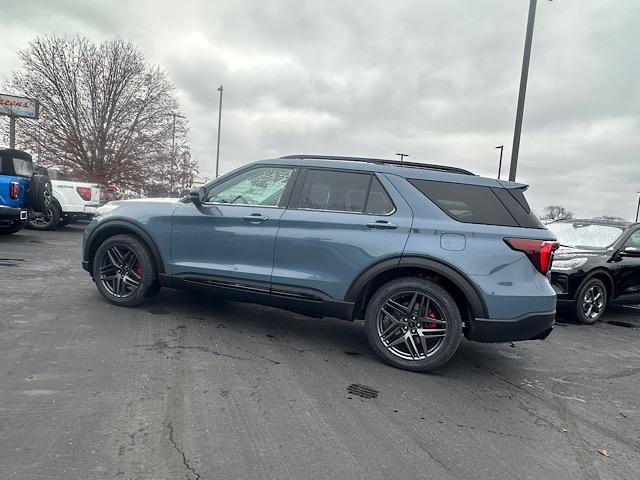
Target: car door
[(628, 269), (338, 224), (229, 239)]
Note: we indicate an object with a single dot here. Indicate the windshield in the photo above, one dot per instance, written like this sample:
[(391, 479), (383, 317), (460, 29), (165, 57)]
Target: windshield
[(585, 235)]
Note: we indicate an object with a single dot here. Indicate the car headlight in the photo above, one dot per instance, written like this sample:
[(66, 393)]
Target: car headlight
[(109, 207), (570, 264)]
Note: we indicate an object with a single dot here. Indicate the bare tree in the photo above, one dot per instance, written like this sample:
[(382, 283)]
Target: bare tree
[(102, 114), (556, 212)]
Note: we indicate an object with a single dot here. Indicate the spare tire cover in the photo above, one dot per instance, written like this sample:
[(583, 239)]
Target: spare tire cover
[(39, 193)]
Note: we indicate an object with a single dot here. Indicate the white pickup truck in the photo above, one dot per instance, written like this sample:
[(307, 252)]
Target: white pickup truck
[(69, 201)]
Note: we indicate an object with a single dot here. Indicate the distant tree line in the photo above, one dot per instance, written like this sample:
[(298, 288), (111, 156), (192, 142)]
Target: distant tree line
[(103, 114)]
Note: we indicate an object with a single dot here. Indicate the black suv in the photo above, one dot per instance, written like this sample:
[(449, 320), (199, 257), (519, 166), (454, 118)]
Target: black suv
[(598, 264)]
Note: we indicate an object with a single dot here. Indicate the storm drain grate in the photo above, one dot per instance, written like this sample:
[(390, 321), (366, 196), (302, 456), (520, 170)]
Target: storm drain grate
[(362, 391)]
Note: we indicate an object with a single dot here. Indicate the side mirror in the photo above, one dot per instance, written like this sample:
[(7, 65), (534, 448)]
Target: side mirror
[(197, 196), (632, 251)]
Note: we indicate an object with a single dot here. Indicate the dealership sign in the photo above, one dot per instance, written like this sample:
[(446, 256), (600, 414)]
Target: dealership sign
[(18, 106)]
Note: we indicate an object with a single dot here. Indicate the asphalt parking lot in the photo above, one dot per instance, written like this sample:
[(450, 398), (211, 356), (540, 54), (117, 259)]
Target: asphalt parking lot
[(197, 388)]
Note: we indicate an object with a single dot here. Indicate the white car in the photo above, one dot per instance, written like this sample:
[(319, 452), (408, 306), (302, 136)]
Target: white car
[(69, 202)]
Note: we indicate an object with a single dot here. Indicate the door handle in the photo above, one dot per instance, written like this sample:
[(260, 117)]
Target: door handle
[(382, 225), (255, 218)]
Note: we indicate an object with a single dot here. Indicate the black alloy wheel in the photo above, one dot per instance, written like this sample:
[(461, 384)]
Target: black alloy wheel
[(413, 323), (120, 271), (591, 301), (48, 220), (124, 270)]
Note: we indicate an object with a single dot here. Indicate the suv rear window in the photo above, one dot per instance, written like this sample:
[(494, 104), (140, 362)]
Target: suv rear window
[(15, 166), (479, 204)]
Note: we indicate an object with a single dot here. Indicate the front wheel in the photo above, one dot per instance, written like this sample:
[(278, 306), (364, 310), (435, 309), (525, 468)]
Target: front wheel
[(591, 301), (124, 270), (414, 324)]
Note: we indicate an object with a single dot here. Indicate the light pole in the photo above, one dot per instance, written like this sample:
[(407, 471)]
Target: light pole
[(402, 155), (638, 209), (501, 147), (173, 149), (524, 74), (220, 89)]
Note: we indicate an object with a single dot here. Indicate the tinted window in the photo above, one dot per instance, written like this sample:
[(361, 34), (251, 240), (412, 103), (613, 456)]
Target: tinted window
[(259, 186), (523, 215), (378, 202), (467, 203), (337, 191), (633, 240)]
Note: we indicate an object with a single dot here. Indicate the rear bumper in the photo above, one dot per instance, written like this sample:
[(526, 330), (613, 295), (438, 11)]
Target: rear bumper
[(11, 213), (534, 326)]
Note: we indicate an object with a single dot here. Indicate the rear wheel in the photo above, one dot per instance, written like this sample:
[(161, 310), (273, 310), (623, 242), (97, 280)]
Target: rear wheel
[(124, 271), (12, 227), (591, 301), (48, 220), (414, 324)]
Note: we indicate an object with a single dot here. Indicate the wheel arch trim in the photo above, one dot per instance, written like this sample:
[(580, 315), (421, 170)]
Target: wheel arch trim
[(123, 226), (451, 273)]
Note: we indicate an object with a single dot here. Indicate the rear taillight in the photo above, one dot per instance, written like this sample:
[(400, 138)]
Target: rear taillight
[(14, 190), (84, 192), (540, 252)]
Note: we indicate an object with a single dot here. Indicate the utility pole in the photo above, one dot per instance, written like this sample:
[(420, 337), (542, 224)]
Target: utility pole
[(220, 89), (12, 132), (173, 149), (402, 155), (524, 74), (638, 209), (501, 147)]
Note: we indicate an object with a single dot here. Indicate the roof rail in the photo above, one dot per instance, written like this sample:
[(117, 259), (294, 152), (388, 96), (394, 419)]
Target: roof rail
[(381, 161)]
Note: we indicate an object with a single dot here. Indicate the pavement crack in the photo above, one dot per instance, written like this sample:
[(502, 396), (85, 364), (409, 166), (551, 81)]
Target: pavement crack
[(162, 345), (184, 457)]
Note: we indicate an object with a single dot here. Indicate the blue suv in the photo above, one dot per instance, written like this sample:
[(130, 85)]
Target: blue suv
[(22, 191), (422, 253)]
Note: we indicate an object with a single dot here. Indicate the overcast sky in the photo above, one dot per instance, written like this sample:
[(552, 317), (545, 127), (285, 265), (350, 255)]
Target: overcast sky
[(435, 79)]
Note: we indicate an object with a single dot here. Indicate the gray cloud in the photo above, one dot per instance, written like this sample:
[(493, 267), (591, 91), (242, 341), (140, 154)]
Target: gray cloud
[(435, 79)]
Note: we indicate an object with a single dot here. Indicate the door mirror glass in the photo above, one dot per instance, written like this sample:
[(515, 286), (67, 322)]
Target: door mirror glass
[(197, 196)]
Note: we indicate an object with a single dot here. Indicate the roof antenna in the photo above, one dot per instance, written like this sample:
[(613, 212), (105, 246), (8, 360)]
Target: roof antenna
[(402, 155)]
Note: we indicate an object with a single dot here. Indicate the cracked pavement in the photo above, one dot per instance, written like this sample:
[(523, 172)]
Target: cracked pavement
[(198, 388)]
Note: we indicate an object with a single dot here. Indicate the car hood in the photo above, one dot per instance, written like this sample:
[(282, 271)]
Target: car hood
[(147, 200), (567, 253)]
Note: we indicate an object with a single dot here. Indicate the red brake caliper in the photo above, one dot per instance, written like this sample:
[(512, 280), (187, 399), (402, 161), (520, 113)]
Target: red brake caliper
[(138, 270), (431, 314)]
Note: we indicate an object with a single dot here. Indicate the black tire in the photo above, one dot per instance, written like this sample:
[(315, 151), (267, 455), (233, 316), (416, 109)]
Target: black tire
[(441, 308), (148, 274), (39, 193), (13, 227), (586, 297), (49, 220)]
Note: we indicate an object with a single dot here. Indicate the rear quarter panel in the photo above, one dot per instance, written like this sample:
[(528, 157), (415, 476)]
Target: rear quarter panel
[(508, 281), (5, 182)]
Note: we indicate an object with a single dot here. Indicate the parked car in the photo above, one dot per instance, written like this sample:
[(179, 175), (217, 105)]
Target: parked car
[(598, 264), (422, 253), (71, 200), (21, 190)]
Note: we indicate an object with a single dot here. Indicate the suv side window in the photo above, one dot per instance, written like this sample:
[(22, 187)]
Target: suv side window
[(262, 186), (466, 203), (633, 240), (339, 191)]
